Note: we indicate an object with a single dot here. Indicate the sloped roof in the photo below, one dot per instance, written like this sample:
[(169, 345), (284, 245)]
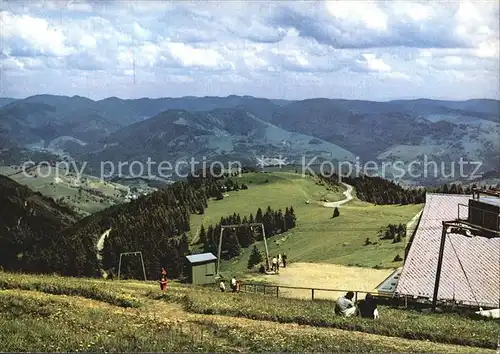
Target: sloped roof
[(202, 257), (480, 258)]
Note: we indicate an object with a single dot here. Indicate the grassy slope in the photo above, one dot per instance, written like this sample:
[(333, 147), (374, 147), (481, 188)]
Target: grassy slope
[(442, 328), (39, 317), (85, 203), (317, 237)]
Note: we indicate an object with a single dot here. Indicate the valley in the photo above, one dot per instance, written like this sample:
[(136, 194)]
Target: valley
[(242, 128), (84, 194)]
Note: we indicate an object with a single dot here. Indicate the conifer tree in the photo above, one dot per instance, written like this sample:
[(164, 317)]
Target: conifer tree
[(259, 217), (202, 236), (255, 257)]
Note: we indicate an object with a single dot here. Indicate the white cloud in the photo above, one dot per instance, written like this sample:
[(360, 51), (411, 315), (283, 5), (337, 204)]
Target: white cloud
[(370, 62), (79, 6), (489, 49), (361, 49), (397, 75), (88, 42), (189, 56), (414, 11), (27, 34), (425, 53), (452, 60), (142, 33), (254, 61), (366, 13)]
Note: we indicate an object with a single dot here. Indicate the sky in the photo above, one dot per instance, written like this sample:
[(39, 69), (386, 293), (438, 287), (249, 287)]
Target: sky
[(282, 49)]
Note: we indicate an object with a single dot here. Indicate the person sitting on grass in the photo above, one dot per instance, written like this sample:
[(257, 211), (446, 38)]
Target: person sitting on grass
[(233, 284), (368, 307), (345, 306)]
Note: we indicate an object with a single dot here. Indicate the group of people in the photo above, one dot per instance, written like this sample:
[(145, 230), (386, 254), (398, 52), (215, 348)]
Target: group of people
[(345, 306), (234, 284), (277, 261), (366, 308)]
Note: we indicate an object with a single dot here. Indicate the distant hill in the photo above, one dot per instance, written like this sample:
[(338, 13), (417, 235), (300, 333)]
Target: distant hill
[(224, 134), (6, 100), (401, 130), (33, 121), (371, 128), (244, 127), (42, 118)]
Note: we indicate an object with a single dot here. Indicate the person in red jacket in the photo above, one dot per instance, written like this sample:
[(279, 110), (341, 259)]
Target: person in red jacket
[(163, 281)]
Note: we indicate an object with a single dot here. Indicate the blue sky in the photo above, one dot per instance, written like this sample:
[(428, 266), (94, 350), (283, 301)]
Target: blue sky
[(282, 49)]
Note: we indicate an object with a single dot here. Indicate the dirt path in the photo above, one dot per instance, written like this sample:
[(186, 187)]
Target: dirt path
[(348, 197), (326, 276)]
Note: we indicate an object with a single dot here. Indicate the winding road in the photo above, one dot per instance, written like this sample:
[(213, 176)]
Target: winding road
[(348, 197)]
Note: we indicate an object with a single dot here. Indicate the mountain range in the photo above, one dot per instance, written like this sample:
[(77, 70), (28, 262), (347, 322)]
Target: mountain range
[(244, 128)]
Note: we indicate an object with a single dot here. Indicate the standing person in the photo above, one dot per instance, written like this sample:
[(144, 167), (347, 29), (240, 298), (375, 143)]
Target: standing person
[(280, 260), (238, 286), (222, 286), (163, 283), (345, 306), (284, 260), (277, 263)]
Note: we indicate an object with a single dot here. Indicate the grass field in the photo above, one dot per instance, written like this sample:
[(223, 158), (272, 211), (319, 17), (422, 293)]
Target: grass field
[(317, 237), (440, 328), (48, 313)]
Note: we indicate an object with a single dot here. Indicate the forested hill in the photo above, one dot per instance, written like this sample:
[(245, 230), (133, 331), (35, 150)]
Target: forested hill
[(157, 225), (31, 228), (381, 191), (39, 236)]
